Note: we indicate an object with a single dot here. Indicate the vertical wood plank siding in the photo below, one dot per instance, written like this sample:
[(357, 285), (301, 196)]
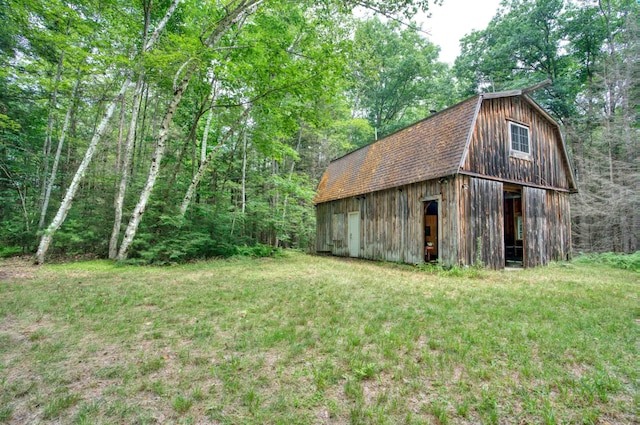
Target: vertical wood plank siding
[(536, 233), (485, 223), (547, 226), (392, 223), (490, 145)]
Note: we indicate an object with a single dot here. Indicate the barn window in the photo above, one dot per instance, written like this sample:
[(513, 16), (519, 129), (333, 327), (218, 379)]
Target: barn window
[(519, 136)]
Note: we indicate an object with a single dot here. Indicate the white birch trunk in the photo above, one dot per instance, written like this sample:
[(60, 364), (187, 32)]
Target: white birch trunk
[(118, 202), (244, 173), (46, 149), (205, 137), (120, 134), (163, 23), (293, 164), (154, 170), (82, 169), (243, 9), (56, 160), (212, 100), (204, 164), (61, 215)]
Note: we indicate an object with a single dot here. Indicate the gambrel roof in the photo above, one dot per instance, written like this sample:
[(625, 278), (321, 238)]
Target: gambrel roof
[(432, 148)]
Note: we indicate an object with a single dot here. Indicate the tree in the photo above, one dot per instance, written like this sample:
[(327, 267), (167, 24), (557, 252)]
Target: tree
[(280, 84), (393, 71), (100, 131), (520, 47)]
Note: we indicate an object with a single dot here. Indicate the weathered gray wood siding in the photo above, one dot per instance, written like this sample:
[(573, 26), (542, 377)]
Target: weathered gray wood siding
[(481, 205), (392, 223), (547, 226), (536, 231), (472, 218), (488, 153)]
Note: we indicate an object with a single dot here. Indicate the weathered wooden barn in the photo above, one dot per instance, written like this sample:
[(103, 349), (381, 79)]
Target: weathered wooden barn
[(487, 179)]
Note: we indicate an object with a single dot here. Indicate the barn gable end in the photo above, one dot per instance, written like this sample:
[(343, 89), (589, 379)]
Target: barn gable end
[(489, 154)]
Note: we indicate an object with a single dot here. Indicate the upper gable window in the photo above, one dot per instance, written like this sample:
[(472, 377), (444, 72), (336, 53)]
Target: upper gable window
[(519, 137)]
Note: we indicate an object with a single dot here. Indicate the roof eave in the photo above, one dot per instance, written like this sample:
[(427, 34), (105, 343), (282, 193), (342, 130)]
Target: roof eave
[(470, 135)]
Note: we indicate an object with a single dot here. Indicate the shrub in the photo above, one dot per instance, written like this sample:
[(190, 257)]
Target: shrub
[(10, 251), (612, 259), (180, 248), (258, 250)]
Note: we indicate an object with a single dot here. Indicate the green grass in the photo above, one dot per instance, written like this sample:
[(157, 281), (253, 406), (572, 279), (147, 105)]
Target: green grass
[(302, 339)]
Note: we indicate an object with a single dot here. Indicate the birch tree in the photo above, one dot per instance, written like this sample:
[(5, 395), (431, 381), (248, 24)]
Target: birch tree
[(56, 159), (118, 202), (100, 131), (205, 163), (242, 10)]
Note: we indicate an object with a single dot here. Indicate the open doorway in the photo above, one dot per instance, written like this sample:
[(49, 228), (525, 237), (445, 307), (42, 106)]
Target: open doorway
[(431, 230), (513, 227)]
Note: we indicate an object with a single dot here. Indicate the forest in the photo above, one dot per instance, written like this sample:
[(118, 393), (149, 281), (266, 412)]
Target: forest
[(165, 131)]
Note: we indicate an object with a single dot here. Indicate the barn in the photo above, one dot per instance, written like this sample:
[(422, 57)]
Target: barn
[(485, 180)]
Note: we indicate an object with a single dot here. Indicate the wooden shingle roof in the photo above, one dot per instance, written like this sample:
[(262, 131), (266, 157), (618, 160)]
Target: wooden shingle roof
[(429, 149)]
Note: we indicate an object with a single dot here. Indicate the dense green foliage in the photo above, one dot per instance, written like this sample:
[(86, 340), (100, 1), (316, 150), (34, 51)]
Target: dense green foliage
[(249, 105), (618, 261), (396, 77)]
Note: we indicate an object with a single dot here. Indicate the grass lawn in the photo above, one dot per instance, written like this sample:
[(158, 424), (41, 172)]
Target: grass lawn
[(305, 339)]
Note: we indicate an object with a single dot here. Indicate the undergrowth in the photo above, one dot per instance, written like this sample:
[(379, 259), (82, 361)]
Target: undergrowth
[(475, 271), (612, 259)]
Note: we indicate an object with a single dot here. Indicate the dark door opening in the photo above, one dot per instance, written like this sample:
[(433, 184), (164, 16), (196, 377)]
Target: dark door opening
[(430, 231), (513, 227)]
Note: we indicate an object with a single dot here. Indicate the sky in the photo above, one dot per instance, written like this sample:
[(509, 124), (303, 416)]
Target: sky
[(454, 19)]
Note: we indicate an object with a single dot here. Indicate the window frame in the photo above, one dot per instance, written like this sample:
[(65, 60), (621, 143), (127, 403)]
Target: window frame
[(517, 153)]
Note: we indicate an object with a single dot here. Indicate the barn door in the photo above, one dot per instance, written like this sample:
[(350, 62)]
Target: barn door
[(536, 229), (354, 234)]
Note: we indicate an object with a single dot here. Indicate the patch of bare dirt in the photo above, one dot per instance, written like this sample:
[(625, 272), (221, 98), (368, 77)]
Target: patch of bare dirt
[(17, 268)]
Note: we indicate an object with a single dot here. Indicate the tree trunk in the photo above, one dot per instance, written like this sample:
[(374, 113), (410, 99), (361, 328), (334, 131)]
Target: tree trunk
[(212, 100), (140, 133), (120, 134), (82, 169), (61, 215), (154, 170), (205, 137), (118, 202), (293, 164), (56, 160), (189, 141), (244, 172), (204, 164), (46, 149)]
